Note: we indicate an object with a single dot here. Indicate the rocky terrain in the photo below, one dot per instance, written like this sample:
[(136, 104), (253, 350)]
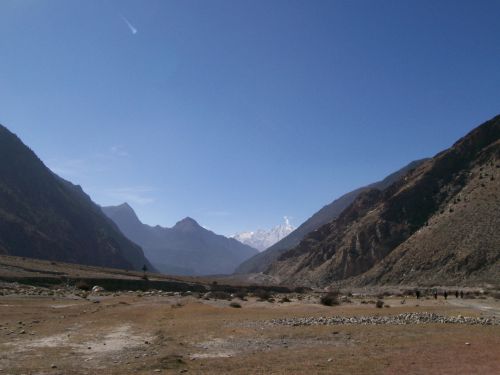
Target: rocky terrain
[(438, 224), (408, 318), (185, 249), (43, 216), (67, 330), (261, 261)]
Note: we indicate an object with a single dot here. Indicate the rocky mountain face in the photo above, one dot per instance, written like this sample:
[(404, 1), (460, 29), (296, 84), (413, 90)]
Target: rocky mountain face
[(43, 216), (185, 249), (436, 225), (261, 261), (262, 239)]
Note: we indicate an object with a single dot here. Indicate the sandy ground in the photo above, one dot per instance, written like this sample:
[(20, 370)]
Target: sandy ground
[(130, 334)]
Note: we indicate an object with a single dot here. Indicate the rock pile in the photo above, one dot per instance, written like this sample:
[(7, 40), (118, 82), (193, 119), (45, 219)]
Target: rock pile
[(401, 319)]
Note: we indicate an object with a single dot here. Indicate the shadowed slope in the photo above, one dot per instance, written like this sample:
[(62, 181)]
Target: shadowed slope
[(437, 224), (44, 216), (261, 261)]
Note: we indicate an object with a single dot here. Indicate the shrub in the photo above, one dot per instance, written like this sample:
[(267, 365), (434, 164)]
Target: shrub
[(236, 305), (495, 295), (220, 295), (330, 299), (82, 285), (241, 294), (379, 304), (262, 295), (300, 289), (285, 299)]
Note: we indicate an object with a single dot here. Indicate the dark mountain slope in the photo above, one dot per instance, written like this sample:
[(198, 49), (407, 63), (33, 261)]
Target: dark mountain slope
[(43, 216), (438, 224), (185, 249), (261, 261)]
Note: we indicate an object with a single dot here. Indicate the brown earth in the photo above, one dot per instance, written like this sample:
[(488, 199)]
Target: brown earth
[(133, 333), (436, 225)]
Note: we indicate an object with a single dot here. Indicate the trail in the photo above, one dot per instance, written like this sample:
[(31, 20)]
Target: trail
[(492, 308)]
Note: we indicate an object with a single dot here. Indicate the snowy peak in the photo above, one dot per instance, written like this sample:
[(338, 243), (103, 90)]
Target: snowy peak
[(261, 239)]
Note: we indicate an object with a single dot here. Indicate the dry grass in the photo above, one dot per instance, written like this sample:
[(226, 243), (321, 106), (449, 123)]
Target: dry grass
[(223, 340)]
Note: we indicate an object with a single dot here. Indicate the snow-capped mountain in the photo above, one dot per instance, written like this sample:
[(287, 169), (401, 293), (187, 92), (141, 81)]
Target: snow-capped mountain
[(261, 239)]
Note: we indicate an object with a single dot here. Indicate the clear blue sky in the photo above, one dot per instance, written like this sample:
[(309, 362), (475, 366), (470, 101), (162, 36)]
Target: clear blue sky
[(240, 112)]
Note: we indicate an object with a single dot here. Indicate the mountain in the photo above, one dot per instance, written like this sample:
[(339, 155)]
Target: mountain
[(44, 216), (185, 249), (438, 225), (262, 239), (261, 261)]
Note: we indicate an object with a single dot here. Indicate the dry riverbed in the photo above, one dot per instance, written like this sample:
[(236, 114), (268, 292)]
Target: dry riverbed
[(137, 333)]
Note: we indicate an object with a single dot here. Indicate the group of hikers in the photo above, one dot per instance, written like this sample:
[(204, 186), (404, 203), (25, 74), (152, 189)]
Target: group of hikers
[(445, 294)]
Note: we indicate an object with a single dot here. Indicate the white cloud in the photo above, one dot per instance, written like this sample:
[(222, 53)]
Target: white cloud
[(118, 151), (80, 168), (131, 194), (133, 30), (217, 213)]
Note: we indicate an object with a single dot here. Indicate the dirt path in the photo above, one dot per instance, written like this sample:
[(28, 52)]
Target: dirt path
[(489, 308)]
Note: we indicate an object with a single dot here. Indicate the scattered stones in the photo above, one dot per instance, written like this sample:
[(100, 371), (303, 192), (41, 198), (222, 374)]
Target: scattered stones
[(401, 319), (97, 289)]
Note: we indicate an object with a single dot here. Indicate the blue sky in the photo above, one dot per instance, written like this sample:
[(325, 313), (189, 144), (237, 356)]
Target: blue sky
[(238, 113)]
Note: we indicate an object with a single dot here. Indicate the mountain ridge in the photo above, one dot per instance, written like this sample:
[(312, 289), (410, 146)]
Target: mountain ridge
[(44, 216), (261, 261), (262, 239), (185, 249), (435, 225)]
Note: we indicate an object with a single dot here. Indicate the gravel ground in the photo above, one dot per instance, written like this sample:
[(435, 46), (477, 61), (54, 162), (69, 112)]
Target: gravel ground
[(400, 319)]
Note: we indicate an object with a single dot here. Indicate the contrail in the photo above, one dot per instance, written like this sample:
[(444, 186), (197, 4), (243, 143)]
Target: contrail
[(132, 28)]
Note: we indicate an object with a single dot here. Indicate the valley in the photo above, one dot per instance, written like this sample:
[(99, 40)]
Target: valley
[(137, 332)]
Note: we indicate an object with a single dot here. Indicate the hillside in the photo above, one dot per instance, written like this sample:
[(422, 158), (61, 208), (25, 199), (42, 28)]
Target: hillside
[(261, 261), (43, 216), (438, 224), (185, 249)]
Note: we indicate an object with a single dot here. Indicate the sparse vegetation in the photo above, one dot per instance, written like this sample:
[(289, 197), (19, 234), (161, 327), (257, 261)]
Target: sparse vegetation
[(241, 294), (300, 289), (262, 295), (82, 285), (330, 299), (218, 294)]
